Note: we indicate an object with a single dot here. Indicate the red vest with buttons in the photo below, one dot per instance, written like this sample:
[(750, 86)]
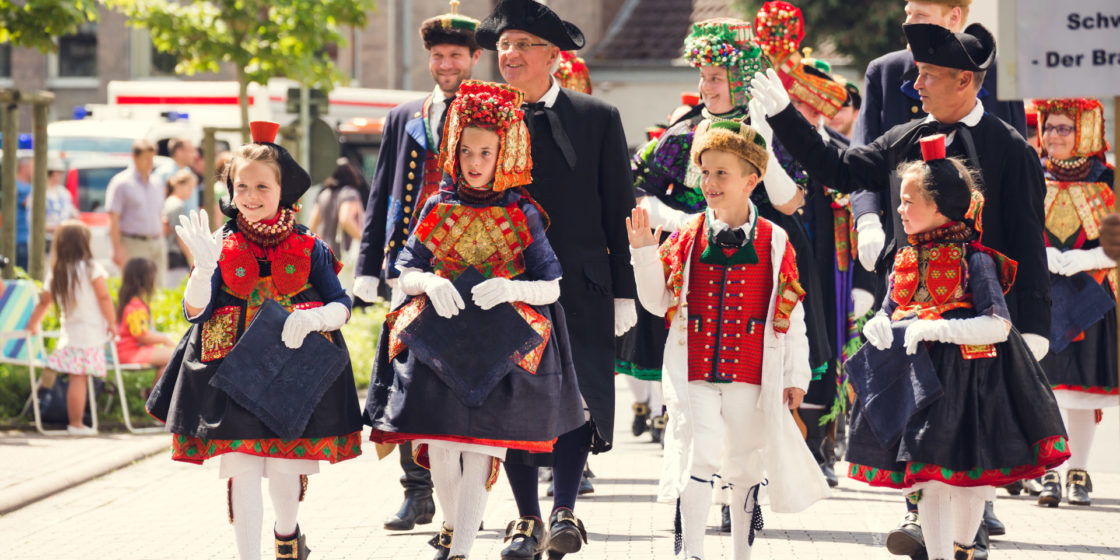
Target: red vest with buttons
[(727, 311)]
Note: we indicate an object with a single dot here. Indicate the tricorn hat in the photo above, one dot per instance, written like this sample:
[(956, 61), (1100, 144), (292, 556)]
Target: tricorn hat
[(974, 49), (451, 28), (530, 17), (294, 180)]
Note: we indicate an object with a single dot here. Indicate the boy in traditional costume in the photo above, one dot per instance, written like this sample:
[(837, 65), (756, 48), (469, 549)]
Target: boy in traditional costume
[(735, 361)]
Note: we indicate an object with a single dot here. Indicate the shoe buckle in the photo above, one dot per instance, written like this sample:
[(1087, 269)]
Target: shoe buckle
[(520, 528), (1051, 477), (445, 536)]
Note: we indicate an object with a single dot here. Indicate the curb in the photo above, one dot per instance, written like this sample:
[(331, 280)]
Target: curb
[(54, 482)]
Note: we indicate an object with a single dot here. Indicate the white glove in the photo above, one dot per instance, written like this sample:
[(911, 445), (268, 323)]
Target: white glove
[(1054, 260), (194, 230), (661, 215), (443, 295), (1081, 260), (365, 287), (871, 240), (758, 121), (302, 322), (985, 329), (495, 291), (862, 300), (625, 315), (878, 331), (1038, 344), (769, 91)]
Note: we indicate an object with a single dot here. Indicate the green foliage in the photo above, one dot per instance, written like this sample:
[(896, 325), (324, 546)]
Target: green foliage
[(361, 335), (36, 23), (263, 39), (862, 30)]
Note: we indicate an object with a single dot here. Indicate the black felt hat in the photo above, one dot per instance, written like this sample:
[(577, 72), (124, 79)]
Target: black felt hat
[(294, 180), (530, 17), (973, 50)]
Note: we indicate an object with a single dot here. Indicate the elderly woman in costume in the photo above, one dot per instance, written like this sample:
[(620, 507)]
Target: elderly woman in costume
[(481, 338), (1081, 365), (260, 258)]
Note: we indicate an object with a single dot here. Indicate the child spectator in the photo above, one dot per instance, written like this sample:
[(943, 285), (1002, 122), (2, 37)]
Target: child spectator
[(137, 342)]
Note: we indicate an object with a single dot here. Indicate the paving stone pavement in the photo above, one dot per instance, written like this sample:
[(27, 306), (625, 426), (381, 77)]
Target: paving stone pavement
[(159, 509)]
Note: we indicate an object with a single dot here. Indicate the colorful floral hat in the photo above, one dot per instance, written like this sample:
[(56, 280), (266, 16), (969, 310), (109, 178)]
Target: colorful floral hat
[(572, 73), (495, 107), (728, 43), (779, 29), (1088, 121)]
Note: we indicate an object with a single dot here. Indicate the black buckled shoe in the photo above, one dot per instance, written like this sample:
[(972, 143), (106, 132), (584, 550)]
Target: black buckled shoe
[(725, 519), (906, 539), (1051, 494), (565, 533), (585, 486), (657, 430), (1078, 486), (416, 509), (980, 543), (526, 539), (293, 547), (994, 525), (641, 418), (442, 543), (963, 552)]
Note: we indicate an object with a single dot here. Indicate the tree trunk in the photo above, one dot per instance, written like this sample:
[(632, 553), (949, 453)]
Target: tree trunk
[(243, 101)]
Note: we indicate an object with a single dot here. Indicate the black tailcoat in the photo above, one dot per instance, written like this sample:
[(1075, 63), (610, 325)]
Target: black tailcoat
[(588, 206), (1012, 184)]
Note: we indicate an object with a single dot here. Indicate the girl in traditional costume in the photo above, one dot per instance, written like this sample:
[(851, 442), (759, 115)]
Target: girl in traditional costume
[(1081, 364), (981, 414), (258, 256), (500, 376)]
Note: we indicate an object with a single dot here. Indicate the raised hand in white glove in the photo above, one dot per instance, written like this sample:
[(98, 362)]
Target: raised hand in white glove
[(862, 300), (194, 230), (758, 121), (985, 329), (869, 232), (365, 287), (878, 332), (302, 322), (495, 291), (1038, 344), (1054, 260), (768, 89), (441, 293), (1081, 260), (625, 315)]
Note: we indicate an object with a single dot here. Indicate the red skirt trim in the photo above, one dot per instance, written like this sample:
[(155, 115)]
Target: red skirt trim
[(398, 437), (1048, 453), (1088, 389)]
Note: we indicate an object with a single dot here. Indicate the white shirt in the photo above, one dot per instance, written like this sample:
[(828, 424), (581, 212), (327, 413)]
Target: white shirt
[(970, 120), (434, 114), (82, 322), (549, 97)]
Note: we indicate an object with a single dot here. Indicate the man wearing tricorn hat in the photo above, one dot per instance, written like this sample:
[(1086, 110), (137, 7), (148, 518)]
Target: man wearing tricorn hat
[(951, 68), (407, 173), (581, 177)]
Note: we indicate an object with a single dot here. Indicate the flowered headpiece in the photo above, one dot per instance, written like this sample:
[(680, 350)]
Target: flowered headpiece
[(1088, 121), (497, 108), (779, 29), (728, 43), (572, 73)]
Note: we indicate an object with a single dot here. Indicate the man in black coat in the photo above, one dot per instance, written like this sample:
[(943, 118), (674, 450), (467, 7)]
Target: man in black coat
[(581, 177), (407, 173), (951, 67)]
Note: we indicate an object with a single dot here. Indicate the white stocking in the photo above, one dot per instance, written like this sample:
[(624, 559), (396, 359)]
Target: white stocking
[(695, 501), (471, 502), (741, 514), (640, 388), (968, 510), (937, 520), (248, 513), (1081, 424), (654, 398), (284, 491), (447, 477)]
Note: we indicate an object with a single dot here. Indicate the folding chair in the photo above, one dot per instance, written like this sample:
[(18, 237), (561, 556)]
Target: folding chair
[(118, 367), (19, 347)]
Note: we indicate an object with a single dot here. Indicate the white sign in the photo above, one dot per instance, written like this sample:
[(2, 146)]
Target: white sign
[(1059, 48)]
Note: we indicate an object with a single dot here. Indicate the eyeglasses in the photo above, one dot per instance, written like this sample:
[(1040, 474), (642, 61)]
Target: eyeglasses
[(1061, 129), (520, 46)]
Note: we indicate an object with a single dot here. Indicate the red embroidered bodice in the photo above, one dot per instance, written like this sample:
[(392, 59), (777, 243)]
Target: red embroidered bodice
[(727, 311)]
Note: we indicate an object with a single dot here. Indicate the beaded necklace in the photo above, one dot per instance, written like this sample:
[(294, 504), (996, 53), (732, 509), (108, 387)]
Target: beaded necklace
[(268, 233), (1073, 169), (471, 195), (952, 232), (732, 115)]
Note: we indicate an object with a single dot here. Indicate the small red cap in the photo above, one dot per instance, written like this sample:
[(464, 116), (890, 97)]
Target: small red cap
[(933, 147), (264, 131), (689, 98)]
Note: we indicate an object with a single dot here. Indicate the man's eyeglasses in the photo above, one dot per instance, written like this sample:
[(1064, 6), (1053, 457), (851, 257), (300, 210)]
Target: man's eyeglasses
[(1061, 129), (519, 46)]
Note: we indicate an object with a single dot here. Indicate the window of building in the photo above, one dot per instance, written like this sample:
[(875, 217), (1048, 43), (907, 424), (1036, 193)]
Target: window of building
[(5, 61), (77, 53)]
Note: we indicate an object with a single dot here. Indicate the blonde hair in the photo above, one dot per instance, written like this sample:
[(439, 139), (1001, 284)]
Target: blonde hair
[(920, 172), (258, 153)]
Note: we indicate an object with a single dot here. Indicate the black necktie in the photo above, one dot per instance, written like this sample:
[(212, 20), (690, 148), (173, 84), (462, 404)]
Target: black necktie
[(533, 112), (443, 118), (731, 238)]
